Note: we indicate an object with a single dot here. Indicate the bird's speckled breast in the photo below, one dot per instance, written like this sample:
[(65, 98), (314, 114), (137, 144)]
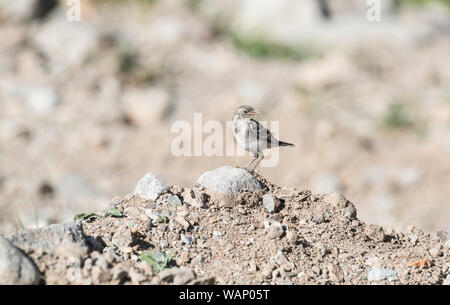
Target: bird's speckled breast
[(240, 130)]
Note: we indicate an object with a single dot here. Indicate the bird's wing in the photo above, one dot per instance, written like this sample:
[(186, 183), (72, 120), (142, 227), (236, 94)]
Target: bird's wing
[(258, 132)]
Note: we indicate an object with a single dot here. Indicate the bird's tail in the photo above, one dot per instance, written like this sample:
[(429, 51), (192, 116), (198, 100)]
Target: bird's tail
[(285, 144)]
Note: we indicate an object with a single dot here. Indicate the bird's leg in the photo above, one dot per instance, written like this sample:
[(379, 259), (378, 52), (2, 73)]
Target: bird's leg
[(260, 157), (251, 161)]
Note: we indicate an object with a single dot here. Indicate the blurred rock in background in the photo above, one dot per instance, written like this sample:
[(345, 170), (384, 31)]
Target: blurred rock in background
[(86, 108)]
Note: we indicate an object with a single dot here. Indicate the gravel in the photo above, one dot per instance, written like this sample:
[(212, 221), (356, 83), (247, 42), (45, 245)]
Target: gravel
[(235, 240)]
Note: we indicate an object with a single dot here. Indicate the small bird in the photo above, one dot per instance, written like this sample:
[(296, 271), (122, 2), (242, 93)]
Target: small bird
[(253, 136)]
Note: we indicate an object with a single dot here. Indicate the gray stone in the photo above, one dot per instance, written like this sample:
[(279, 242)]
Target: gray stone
[(187, 240), (336, 273), (375, 233), (336, 199), (150, 187), (229, 180), (122, 237), (132, 211), (324, 217), (49, 238), (379, 274), (413, 238), (155, 217), (271, 204), (280, 258), (274, 232), (349, 212), (174, 200), (291, 237), (217, 234), (315, 270), (323, 249), (15, 267), (166, 213), (198, 260), (193, 198), (183, 222)]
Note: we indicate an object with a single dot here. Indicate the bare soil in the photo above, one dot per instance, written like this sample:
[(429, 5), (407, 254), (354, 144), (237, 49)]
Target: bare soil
[(232, 239)]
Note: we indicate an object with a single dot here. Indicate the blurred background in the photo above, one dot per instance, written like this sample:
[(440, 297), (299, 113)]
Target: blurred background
[(86, 108)]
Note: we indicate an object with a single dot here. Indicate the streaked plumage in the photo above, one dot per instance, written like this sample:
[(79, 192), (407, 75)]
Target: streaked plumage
[(252, 135)]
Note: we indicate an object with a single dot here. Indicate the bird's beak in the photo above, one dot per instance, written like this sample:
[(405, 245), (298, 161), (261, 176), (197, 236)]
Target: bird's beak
[(254, 112)]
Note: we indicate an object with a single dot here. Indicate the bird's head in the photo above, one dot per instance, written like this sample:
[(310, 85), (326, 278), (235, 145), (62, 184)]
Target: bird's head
[(245, 111)]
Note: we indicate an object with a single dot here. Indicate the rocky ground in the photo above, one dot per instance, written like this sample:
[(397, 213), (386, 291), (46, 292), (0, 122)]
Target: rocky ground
[(231, 227), (82, 104)]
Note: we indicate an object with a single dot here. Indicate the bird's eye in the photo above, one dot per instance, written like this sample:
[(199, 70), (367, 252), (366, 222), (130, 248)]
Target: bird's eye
[(245, 111)]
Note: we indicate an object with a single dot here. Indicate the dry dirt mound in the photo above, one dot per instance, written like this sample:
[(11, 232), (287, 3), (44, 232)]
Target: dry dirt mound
[(234, 239)]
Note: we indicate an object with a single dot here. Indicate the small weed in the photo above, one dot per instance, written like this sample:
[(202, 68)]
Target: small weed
[(19, 221), (163, 219), (113, 212), (85, 216), (126, 61), (131, 69), (397, 117), (158, 260), (262, 48), (36, 217)]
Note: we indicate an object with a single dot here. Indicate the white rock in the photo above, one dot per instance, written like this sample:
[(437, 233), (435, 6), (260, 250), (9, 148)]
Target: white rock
[(229, 180), (150, 187), (269, 203), (379, 274)]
